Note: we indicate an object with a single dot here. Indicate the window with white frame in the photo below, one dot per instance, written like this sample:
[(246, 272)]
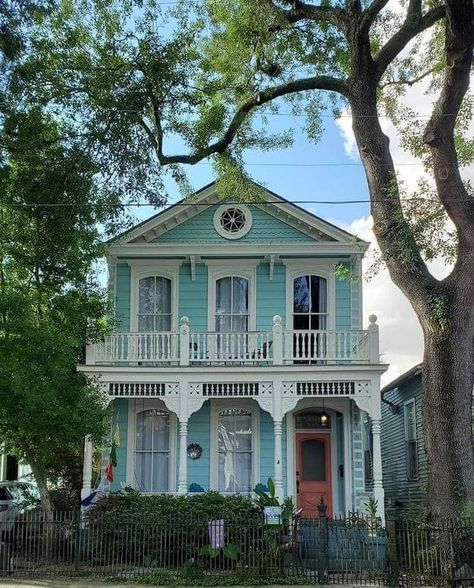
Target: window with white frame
[(154, 304), (410, 440), (232, 304), (310, 303), (152, 450), (235, 448)]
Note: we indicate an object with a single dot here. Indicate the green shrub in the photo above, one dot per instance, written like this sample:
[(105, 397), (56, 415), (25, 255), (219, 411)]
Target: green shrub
[(168, 531)]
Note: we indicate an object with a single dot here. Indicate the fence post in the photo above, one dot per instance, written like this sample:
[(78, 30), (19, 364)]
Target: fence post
[(77, 542), (393, 564), (323, 563)]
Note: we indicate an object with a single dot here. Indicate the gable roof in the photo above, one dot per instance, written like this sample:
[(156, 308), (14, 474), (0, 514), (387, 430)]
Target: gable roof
[(302, 220)]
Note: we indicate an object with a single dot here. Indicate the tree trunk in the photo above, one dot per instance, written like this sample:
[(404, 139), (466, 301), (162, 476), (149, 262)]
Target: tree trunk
[(447, 416), (445, 310), (40, 479)]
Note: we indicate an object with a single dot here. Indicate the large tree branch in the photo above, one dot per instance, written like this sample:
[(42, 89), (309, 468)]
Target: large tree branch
[(302, 11), (414, 24), (259, 99), (439, 132), (372, 11)]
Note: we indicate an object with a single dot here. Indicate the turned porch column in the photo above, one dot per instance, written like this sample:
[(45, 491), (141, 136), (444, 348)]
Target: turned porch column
[(87, 468), (379, 494), (278, 469), (183, 457)]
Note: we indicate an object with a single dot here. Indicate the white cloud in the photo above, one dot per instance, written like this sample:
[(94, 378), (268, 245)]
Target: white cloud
[(401, 340)]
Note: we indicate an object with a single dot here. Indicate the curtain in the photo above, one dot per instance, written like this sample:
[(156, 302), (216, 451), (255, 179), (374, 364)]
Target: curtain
[(152, 448), (154, 304), (235, 451)]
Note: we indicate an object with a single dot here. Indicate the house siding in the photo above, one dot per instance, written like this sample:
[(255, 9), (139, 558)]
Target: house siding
[(343, 304), (199, 426), (399, 491), (265, 229), (271, 295), (193, 296), (122, 297)]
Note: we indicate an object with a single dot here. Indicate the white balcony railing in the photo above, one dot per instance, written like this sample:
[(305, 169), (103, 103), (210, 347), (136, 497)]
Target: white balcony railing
[(275, 347)]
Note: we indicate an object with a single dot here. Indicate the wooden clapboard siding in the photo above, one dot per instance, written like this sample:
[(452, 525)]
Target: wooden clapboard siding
[(265, 229), (399, 491)]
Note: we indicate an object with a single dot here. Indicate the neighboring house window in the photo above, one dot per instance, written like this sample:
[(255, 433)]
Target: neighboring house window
[(368, 448), (232, 304), (235, 450), (410, 440), (310, 303), (152, 450), (154, 304)]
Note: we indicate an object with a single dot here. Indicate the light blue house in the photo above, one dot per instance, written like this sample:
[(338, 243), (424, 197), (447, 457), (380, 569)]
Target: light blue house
[(239, 355)]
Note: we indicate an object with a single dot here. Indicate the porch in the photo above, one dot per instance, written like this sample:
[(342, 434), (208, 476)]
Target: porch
[(277, 414)]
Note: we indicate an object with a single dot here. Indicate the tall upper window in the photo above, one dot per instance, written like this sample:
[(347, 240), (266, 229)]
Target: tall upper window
[(154, 304), (410, 440), (235, 450), (310, 303), (232, 304), (152, 451)]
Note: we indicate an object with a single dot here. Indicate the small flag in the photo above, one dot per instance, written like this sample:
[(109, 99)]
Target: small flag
[(113, 455), (109, 472), (117, 435)]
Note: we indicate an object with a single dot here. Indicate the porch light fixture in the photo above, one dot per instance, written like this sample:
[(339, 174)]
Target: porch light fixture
[(324, 417)]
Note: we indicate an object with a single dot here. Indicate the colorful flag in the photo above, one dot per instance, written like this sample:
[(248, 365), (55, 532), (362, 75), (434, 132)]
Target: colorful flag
[(113, 455), (109, 472), (117, 435)]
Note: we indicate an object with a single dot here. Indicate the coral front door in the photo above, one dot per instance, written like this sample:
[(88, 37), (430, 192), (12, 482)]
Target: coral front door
[(313, 472)]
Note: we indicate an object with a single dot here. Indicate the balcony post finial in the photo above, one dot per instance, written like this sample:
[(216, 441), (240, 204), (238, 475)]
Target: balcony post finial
[(373, 332)]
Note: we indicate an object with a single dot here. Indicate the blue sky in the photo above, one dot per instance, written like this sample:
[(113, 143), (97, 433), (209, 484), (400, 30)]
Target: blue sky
[(276, 171)]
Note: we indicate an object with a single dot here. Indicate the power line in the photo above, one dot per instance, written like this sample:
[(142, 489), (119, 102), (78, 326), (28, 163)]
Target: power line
[(236, 202)]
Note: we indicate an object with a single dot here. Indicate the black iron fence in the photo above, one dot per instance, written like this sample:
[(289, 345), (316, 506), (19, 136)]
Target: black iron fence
[(178, 550)]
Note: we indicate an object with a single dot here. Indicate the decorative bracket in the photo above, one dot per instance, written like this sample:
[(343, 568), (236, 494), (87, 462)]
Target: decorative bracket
[(192, 260), (271, 266)]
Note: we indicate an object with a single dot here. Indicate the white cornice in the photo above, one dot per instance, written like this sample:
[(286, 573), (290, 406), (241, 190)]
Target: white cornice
[(235, 249)]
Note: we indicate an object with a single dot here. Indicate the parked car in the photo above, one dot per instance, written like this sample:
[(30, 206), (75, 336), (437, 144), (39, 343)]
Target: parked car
[(15, 497)]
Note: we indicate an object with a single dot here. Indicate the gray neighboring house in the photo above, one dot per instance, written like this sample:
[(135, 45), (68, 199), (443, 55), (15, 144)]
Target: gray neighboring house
[(403, 457)]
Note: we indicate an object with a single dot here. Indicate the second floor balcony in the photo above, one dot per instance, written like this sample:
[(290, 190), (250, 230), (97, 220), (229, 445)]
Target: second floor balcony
[(275, 347)]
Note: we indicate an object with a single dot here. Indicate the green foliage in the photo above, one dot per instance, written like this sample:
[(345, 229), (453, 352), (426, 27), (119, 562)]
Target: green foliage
[(50, 303), (211, 505)]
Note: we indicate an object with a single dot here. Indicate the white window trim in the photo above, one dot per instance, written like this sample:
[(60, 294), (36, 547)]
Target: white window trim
[(405, 430), (254, 409), (217, 269), (243, 231), (134, 407), (314, 267), (161, 268)]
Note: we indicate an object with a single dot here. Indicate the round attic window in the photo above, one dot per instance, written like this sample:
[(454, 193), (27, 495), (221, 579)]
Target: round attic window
[(232, 221)]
